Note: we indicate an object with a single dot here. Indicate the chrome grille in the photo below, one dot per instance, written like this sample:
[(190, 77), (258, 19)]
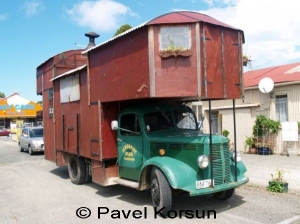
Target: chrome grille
[(221, 156)]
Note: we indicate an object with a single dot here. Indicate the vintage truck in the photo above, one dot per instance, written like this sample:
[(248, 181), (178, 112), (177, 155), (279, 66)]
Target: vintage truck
[(116, 113)]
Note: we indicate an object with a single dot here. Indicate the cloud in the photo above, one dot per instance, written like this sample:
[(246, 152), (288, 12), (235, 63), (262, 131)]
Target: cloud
[(271, 28), (3, 17), (100, 15), (33, 7)]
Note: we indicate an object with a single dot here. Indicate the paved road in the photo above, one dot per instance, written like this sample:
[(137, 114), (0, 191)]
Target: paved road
[(260, 168), (34, 190)]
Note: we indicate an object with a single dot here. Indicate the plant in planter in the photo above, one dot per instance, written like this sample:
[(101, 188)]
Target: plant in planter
[(250, 143), (173, 50), (265, 127), (277, 183), (247, 61), (264, 148)]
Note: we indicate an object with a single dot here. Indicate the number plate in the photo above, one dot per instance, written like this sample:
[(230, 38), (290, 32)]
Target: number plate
[(203, 183)]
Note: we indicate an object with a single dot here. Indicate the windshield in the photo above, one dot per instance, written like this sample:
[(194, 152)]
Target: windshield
[(158, 121), (184, 119), (34, 133), (163, 120)]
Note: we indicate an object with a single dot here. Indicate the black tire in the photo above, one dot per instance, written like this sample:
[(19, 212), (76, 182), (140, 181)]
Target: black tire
[(20, 148), (161, 192), (76, 169), (30, 150), (224, 195)]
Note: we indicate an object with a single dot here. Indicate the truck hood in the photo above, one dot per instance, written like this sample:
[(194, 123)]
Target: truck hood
[(185, 136)]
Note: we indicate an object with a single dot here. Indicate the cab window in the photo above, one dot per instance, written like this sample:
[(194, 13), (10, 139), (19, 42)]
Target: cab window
[(130, 125)]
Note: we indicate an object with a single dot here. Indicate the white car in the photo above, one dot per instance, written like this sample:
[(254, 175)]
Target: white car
[(32, 140)]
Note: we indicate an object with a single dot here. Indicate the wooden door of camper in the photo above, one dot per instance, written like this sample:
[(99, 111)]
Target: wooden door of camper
[(71, 133)]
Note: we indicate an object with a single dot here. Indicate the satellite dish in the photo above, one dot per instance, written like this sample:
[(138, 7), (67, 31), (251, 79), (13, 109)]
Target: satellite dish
[(266, 85)]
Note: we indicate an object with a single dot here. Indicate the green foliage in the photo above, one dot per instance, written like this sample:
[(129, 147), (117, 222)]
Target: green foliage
[(2, 95), (172, 47), (275, 186), (265, 125), (226, 133), (122, 29), (250, 142), (40, 103), (278, 176)]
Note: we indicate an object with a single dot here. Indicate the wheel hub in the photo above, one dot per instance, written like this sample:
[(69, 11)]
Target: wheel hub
[(155, 192)]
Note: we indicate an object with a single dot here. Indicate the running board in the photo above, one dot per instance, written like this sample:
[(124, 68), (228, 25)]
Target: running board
[(127, 183)]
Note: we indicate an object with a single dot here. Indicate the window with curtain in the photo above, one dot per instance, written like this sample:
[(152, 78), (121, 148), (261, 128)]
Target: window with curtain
[(281, 105)]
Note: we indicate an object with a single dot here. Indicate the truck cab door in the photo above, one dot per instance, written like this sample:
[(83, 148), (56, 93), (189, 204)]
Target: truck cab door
[(130, 146)]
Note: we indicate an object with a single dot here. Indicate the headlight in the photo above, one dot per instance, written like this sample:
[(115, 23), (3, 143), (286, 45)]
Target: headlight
[(238, 156), (203, 161)]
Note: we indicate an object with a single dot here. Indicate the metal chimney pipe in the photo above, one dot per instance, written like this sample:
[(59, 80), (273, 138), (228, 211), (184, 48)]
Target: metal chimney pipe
[(91, 36)]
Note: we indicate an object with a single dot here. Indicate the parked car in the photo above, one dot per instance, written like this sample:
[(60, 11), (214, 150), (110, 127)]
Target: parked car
[(4, 132), (32, 139)]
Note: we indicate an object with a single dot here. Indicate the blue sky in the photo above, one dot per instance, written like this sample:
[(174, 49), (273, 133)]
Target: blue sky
[(34, 30)]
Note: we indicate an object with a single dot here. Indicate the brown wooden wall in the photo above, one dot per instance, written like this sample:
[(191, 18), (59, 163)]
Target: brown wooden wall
[(131, 67), (221, 64), (82, 129), (120, 70), (54, 66), (175, 76)]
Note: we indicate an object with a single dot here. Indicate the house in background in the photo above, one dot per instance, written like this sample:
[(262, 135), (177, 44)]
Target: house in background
[(15, 111), (282, 104)]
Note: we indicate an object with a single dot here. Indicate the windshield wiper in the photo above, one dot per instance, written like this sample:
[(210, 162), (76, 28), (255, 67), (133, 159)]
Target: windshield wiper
[(163, 114)]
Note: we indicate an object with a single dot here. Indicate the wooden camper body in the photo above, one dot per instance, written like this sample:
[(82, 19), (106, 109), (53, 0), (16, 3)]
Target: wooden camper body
[(133, 68)]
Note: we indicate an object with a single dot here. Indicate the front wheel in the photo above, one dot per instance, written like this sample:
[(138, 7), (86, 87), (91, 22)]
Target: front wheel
[(30, 150), (224, 195), (20, 147), (76, 169), (161, 192)]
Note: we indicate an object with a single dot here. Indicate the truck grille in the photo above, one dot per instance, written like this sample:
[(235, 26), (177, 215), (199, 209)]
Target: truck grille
[(221, 158)]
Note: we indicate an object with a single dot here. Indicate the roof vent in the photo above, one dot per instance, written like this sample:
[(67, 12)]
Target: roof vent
[(91, 36)]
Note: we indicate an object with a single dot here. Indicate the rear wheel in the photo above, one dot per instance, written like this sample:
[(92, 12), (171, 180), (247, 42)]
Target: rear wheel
[(224, 195), (20, 148), (160, 191), (76, 169)]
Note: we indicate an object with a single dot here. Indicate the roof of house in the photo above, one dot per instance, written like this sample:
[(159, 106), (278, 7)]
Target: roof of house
[(279, 74), (172, 18), (15, 93)]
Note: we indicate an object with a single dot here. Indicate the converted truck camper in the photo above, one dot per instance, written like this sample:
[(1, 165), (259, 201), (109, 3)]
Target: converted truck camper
[(115, 113)]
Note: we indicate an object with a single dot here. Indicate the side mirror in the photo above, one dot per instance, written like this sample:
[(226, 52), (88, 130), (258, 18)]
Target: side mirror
[(114, 125)]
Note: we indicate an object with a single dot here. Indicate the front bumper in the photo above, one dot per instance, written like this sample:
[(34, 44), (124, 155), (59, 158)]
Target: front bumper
[(218, 188), (38, 148)]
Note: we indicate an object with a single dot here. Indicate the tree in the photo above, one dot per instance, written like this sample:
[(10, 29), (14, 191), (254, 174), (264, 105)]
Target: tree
[(122, 29), (40, 103), (2, 95)]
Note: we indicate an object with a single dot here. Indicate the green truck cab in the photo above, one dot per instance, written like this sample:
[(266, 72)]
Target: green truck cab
[(160, 147)]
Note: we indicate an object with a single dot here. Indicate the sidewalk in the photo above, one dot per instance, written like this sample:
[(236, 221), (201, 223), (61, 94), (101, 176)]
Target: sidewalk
[(260, 168)]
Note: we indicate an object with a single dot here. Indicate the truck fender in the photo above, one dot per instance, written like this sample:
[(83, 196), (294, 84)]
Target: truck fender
[(241, 169), (178, 174)]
